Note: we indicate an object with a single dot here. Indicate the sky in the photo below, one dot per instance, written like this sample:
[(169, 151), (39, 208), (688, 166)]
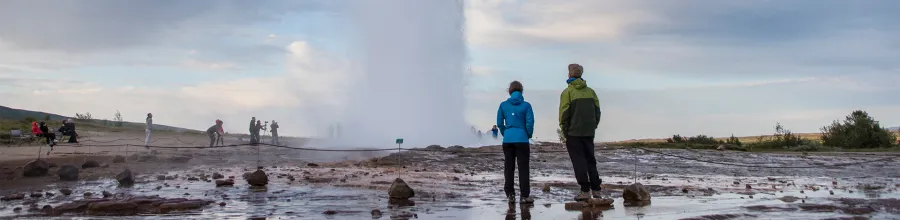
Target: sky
[(659, 67)]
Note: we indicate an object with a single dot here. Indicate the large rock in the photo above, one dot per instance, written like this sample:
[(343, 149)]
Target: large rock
[(258, 178), (722, 147), (118, 159), (636, 194), (68, 173), (35, 168), (90, 164), (125, 178), (400, 190)]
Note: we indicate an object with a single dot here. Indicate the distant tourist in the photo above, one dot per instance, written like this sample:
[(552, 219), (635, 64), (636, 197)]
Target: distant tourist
[(256, 131), (253, 138), (149, 130), (494, 131), (215, 133), (579, 115), (68, 128), (516, 122), (274, 130), (49, 136)]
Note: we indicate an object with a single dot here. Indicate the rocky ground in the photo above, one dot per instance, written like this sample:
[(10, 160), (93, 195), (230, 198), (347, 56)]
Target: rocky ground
[(453, 182)]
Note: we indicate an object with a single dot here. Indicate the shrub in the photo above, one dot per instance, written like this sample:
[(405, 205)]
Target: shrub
[(733, 141), (782, 139), (858, 130), (702, 139)]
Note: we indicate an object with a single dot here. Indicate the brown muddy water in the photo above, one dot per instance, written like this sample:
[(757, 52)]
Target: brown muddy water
[(467, 184)]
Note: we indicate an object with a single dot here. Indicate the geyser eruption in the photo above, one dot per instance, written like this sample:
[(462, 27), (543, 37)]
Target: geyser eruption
[(411, 74)]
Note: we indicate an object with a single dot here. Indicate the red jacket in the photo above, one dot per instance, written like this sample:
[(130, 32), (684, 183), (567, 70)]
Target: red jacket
[(35, 129)]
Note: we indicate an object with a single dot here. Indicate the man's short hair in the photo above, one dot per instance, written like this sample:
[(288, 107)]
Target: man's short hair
[(575, 70)]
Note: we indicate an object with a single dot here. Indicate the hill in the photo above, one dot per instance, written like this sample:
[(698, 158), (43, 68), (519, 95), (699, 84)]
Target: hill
[(11, 118), (7, 113)]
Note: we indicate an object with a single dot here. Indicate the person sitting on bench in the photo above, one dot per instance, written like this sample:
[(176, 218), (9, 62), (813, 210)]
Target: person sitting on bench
[(68, 128)]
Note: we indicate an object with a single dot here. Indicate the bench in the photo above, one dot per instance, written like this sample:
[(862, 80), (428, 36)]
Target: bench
[(17, 136)]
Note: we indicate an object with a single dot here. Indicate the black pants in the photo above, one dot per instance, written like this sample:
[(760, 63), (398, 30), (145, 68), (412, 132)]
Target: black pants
[(581, 151), (516, 153), (212, 138), (50, 138), (72, 136)]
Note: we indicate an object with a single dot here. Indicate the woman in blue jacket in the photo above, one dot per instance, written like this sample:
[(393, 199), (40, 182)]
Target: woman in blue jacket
[(515, 121)]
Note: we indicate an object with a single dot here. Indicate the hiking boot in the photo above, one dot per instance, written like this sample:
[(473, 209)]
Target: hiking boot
[(583, 196), (511, 198), (597, 194), (526, 200)]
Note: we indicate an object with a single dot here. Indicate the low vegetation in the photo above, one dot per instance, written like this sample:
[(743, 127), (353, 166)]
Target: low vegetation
[(857, 132)]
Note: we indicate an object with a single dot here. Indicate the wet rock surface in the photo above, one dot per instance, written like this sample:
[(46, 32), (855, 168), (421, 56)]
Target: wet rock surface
[(128, 206), (68, 173)]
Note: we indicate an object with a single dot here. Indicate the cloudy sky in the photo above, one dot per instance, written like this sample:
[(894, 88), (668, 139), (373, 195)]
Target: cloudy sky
[(660, 67)]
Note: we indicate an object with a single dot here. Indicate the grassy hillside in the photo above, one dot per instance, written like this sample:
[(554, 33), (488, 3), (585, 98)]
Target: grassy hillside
[(11, 119)]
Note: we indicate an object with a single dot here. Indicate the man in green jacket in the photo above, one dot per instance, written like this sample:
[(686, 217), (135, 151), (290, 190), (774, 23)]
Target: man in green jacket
[(579, 115)]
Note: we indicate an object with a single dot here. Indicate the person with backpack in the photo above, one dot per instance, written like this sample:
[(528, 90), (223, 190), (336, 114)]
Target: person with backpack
[(253, 137), (214, 133), (579, 116), (515, 120)]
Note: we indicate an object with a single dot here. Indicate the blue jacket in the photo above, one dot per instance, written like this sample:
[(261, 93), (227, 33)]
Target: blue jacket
[(515, 119)]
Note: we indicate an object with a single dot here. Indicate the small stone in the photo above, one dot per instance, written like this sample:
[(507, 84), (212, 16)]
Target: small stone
[(226, 182), (312, 165), (88, 194), (17, 209), (400, 190), (376, 213), (161, 177), (217, 176), (258, 178), (749, 187), (831, 192), (65, 191), (329, 212), (751, 196), (125, 178), (222, 204), (36, 195), (684, 190), (49, 194), (546, 187), (636, 194), (47, 208), (106, 194), (600, 202)]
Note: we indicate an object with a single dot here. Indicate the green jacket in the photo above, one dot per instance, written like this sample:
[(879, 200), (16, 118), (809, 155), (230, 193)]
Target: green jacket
[(579, 110)]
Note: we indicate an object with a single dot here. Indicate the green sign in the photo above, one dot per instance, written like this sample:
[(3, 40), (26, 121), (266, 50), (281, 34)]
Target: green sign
[(399, 140)]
